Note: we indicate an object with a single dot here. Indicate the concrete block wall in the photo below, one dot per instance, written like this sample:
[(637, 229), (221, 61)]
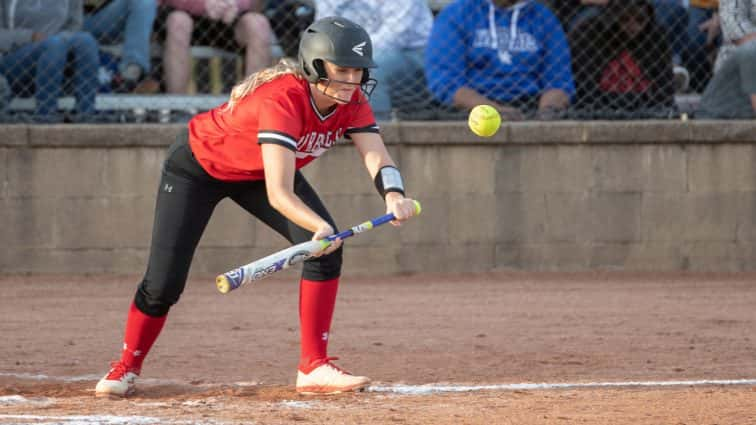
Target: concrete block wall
[(538, 196)]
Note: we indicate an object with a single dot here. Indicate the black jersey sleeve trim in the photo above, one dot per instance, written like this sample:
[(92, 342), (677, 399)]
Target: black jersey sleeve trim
[(276, 142), (276, 137), (372, 128)]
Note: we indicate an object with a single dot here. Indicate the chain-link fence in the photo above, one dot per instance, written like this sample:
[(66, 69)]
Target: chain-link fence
[(164, 60)]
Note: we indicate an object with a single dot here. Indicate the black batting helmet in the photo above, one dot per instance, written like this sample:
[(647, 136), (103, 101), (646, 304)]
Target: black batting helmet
[(336, 40)]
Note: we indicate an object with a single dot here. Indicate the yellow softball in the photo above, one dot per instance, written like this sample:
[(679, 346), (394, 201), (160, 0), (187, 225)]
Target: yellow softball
[(484, 120)]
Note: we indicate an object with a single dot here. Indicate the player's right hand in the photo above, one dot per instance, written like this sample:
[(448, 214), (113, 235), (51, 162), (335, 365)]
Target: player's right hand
[(402, 208), (324, 231)]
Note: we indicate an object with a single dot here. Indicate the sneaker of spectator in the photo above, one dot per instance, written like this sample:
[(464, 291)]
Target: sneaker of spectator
[(128, 22), (510, 54), (622, 60), (133, 81), (226, 24), (681, 78), (731, 92), (36, 41), (399, 31)]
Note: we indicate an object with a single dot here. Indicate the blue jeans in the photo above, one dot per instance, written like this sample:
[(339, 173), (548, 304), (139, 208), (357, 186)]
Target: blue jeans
[(696, 53), (400, 78), (729, 92), (129, 21), (673, 17), (47, 59)]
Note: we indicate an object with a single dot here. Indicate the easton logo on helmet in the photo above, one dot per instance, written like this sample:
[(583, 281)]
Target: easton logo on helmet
[(358, 48)]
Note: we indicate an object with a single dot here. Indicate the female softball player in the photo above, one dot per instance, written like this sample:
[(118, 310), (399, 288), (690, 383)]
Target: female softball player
[(250, 149)]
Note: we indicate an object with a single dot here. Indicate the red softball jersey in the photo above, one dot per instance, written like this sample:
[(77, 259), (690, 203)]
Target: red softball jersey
[(283, 112)]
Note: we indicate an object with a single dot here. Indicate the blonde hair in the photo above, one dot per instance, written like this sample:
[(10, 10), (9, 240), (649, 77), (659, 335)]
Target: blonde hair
[(253, 81)]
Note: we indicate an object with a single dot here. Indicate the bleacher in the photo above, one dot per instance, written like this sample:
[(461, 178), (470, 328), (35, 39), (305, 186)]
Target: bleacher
[(162, 107), (138, 106)]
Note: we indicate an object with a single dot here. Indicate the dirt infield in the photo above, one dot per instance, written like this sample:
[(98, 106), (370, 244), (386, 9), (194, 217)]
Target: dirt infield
[(232, 359)]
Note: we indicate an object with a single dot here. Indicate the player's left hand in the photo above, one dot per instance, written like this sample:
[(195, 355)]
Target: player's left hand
[(323, 232), (402, 208)]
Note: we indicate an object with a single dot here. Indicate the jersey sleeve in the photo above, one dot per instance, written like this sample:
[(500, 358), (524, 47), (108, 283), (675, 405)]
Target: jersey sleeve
[(363, 120), (279, 122)]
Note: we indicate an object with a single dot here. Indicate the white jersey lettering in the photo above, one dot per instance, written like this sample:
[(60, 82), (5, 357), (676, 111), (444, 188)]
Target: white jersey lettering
[(316, 143)]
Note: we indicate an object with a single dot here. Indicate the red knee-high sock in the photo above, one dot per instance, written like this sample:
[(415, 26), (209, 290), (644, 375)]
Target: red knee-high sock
[(141, 332), (316, 303)]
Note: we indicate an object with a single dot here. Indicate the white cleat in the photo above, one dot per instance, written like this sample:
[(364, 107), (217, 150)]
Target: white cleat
[(329, 379), (119, 382)]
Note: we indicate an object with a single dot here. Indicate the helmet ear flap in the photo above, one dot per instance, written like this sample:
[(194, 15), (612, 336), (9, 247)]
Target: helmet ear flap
[(319, 68), (309, 73)]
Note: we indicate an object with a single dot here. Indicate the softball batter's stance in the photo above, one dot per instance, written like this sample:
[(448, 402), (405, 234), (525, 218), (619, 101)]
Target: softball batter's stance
[(250, 150)]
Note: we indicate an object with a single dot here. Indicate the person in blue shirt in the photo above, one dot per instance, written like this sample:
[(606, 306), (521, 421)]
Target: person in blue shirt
[(509, 54)]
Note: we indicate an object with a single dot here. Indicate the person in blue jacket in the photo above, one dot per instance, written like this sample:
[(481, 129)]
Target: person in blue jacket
[(509, 54)]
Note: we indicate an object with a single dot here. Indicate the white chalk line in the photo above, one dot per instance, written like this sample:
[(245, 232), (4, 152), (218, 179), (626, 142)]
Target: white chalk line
[(395, 389), (101, 420), (438, 388), (41, 377), (83, 378), (88, 419)]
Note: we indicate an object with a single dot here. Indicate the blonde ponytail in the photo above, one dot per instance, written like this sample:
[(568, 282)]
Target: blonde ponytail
[(249, 84)]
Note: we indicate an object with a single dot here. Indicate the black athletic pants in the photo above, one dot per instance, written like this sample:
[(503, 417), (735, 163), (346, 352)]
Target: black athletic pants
[(186, 199)]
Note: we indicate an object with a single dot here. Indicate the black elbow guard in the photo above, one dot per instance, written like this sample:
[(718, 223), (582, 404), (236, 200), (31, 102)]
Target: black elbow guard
[(389, 179)]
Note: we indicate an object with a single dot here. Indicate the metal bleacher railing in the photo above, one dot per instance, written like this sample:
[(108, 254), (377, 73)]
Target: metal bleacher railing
[(550, 59)]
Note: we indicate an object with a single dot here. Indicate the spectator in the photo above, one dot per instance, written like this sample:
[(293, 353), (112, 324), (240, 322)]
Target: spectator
[(703, 40), (128, 22), (290, 18), (35, 41), (621, 59), (669, 14), (731, 93), (400, 31), (219, 23), (510, 54)]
